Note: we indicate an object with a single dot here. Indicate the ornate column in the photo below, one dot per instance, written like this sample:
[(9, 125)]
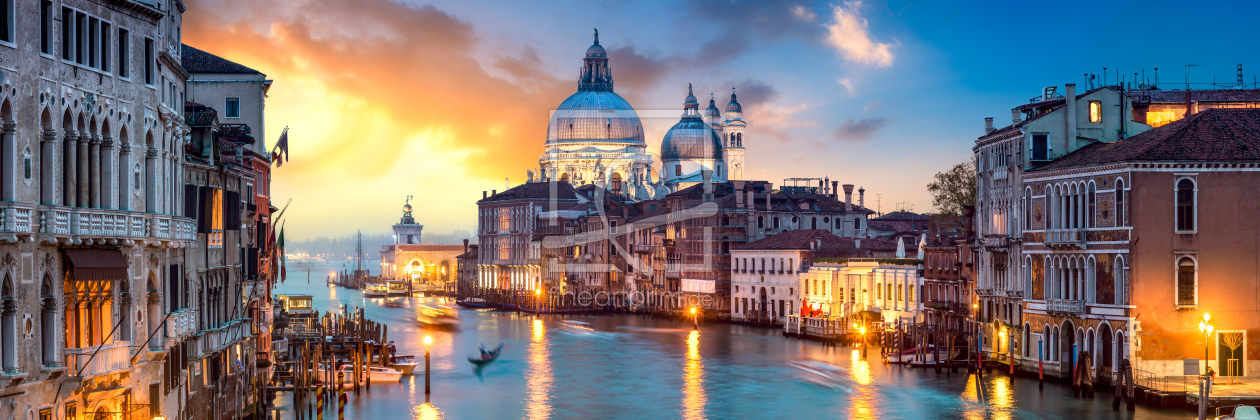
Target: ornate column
[(8, 315), (153, 317), (125, 176), (47, 168), (8, 145), (105, 188), (94, 180), (48, 331), (150, 180), (69, 196), (82, 176)]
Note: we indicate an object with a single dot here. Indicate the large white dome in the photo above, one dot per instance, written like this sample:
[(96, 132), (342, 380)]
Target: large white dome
[(597, 116)]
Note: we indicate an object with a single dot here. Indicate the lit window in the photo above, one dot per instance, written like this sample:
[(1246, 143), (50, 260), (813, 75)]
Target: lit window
[(1095, 111)]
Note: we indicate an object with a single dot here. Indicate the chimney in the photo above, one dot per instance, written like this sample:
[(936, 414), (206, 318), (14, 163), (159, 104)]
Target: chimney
[(988, 125), (769, 189), (707, 175), (483, 195), (861, 197), (1016, 118), (625, 214), (750, 203), (848, 197), (465, 246), (1070, 99), (739, 198), (1189, 105), (835, 189), (494, 193)]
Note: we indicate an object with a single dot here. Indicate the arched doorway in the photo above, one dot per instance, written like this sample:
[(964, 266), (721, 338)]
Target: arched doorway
[(1067, 337), (415, 271), (1106, 352), (47, 322), (444, 270)]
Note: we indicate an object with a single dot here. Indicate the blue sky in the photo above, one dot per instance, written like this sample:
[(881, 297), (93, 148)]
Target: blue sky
[(874, 93)]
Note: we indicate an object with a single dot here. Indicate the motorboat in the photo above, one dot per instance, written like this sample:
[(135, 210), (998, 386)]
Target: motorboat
[(577, 325), (297, 306), (397, 288), (374, 290), (438, 317), (1241, 412), (404, 364), (821, 372), (375, 373), (474, 303), (486, 356)]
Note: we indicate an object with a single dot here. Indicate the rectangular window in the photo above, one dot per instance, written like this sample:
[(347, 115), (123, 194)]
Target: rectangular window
[(93, 43), (677, 170), (105, 46), (80, 38), (46, 414), (1040, 147), (124, 53), (1095, 111), (7, 20), (233, 108), (67, 34), (148, 61), (45, 27)]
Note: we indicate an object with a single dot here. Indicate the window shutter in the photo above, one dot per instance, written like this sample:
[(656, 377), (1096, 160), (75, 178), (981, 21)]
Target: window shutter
[(203, 217), (234, 212), (190, 200)]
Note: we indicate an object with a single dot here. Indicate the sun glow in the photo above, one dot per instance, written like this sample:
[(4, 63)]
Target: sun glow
[(694, 398), (539, 380)]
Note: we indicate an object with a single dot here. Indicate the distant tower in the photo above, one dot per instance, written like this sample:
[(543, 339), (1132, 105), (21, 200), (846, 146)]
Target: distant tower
[(690, 147), (407, 231), (733, 136)]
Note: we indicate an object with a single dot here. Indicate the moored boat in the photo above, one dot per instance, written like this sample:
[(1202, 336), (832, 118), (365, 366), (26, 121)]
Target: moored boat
[(375, 373), (374, 290), (397, 288), (474, 303), (404, 364)]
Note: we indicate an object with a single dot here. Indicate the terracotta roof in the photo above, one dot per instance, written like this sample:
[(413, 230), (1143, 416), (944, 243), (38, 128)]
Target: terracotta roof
[(1198, 95), (799, 239), (198, 115), (198, 61), (534, 190), (1212, 135)]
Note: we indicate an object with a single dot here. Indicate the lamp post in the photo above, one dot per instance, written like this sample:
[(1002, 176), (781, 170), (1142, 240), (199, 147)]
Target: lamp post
[(1206, 328), (537, 302), (695, 321), (862, 331), (427, 341)]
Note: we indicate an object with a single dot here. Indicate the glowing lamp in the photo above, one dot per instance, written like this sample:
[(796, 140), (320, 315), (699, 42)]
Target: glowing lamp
[(537, 291), (1207, 317), (159, 418), (693, 311), (428, 340)]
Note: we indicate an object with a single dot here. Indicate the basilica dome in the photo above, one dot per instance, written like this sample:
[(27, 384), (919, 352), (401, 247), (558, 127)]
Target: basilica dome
[(690, 138), (599, 116)]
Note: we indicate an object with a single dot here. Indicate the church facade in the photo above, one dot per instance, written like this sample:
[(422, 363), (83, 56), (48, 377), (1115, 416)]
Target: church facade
[(596, 137)]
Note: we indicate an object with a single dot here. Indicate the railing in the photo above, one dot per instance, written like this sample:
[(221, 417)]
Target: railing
[(643, 248), (997, 241), (1000, 173), (111, 357), (159, 225), (1066, 237), (213, 340), (15, 217), (61, 220), (1065, 306), (181, 323), (1169, 384)]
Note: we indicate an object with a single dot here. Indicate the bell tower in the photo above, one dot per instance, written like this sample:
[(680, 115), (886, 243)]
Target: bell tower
[(733, 134)]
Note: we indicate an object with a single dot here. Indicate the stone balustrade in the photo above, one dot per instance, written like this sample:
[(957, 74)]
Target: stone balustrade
[(110, 358)]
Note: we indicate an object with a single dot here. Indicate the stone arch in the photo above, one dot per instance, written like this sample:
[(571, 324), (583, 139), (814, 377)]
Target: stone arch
[(616, 182), (6, 110), (8, 325), (1067, 337), (445, 270), (1106, 354), (564, 177)]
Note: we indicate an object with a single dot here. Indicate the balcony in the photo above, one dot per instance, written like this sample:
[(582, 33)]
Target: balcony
[(998, 242), (1066, 238), (110, 358), (16, 217), (181, 324), (1065, 306), (101, 223), (643, 248), (213, 340)]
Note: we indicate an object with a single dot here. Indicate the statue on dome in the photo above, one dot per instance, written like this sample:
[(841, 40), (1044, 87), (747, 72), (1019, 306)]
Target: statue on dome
[(407, 207)]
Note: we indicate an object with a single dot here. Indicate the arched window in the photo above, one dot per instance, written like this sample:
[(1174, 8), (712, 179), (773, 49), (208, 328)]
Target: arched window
[(1185, 205), (1187, 282), (813, 223), (776, 222), (1027, 210), (760, 222), (1122, 281), (615, 183), (1093, 205), (1120, 202)]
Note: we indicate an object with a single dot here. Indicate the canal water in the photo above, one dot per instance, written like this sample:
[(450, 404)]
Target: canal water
[(642, 368)]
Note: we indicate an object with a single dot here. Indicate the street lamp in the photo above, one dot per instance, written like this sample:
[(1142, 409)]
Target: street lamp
[(1206, 328), (537, 301), (694, 319), (862, 330), (427, 341)]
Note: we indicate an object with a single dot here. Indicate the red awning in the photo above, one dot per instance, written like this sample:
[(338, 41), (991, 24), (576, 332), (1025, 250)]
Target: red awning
[(97, 264)]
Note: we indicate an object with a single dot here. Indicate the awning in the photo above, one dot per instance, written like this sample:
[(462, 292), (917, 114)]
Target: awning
[(97, 264)]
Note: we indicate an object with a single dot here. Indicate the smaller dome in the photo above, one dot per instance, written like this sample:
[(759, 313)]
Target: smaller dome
[(712, 111), (691, 139), (734, 105), (596, 51)]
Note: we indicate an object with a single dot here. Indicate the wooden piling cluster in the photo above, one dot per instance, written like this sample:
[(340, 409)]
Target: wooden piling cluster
[(314, 360)]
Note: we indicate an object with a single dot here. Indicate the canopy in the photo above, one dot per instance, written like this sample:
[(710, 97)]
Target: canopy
[(97, 264)]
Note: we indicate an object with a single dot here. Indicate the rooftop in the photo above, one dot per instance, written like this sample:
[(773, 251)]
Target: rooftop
[(198, 61), (799, 239)]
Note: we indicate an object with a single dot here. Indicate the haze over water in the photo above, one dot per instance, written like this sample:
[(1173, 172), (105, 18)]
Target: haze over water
[(634, 367)]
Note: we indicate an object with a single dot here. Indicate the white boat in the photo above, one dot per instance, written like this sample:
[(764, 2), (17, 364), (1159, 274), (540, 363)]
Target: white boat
[(404, 364), (577, 325), (374, 290), (376, 373), (397, 288)]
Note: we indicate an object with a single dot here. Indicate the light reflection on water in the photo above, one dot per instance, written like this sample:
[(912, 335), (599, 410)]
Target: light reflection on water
[(538, 383), (693, 379), (629, 368)]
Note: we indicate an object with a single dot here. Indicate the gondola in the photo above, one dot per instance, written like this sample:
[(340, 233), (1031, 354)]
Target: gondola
[(487, 357), (473, 303)]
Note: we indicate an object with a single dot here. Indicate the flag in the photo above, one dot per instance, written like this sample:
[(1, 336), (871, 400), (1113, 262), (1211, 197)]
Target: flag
[(280, 153), (280, 247)]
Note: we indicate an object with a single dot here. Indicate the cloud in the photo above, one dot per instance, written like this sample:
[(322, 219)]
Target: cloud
[(850, 36), (768, 19), (635, 71), (846, 83), (859, 130), (871, 105)]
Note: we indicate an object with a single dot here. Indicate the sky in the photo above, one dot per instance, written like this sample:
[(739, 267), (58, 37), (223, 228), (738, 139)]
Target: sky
[(443, 100)]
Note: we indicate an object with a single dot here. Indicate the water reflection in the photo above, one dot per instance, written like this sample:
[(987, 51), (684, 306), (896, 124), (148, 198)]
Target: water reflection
[(693, 379), (426, 411), (538, 382), (865, 401), (1001, 401), (972, 405)]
